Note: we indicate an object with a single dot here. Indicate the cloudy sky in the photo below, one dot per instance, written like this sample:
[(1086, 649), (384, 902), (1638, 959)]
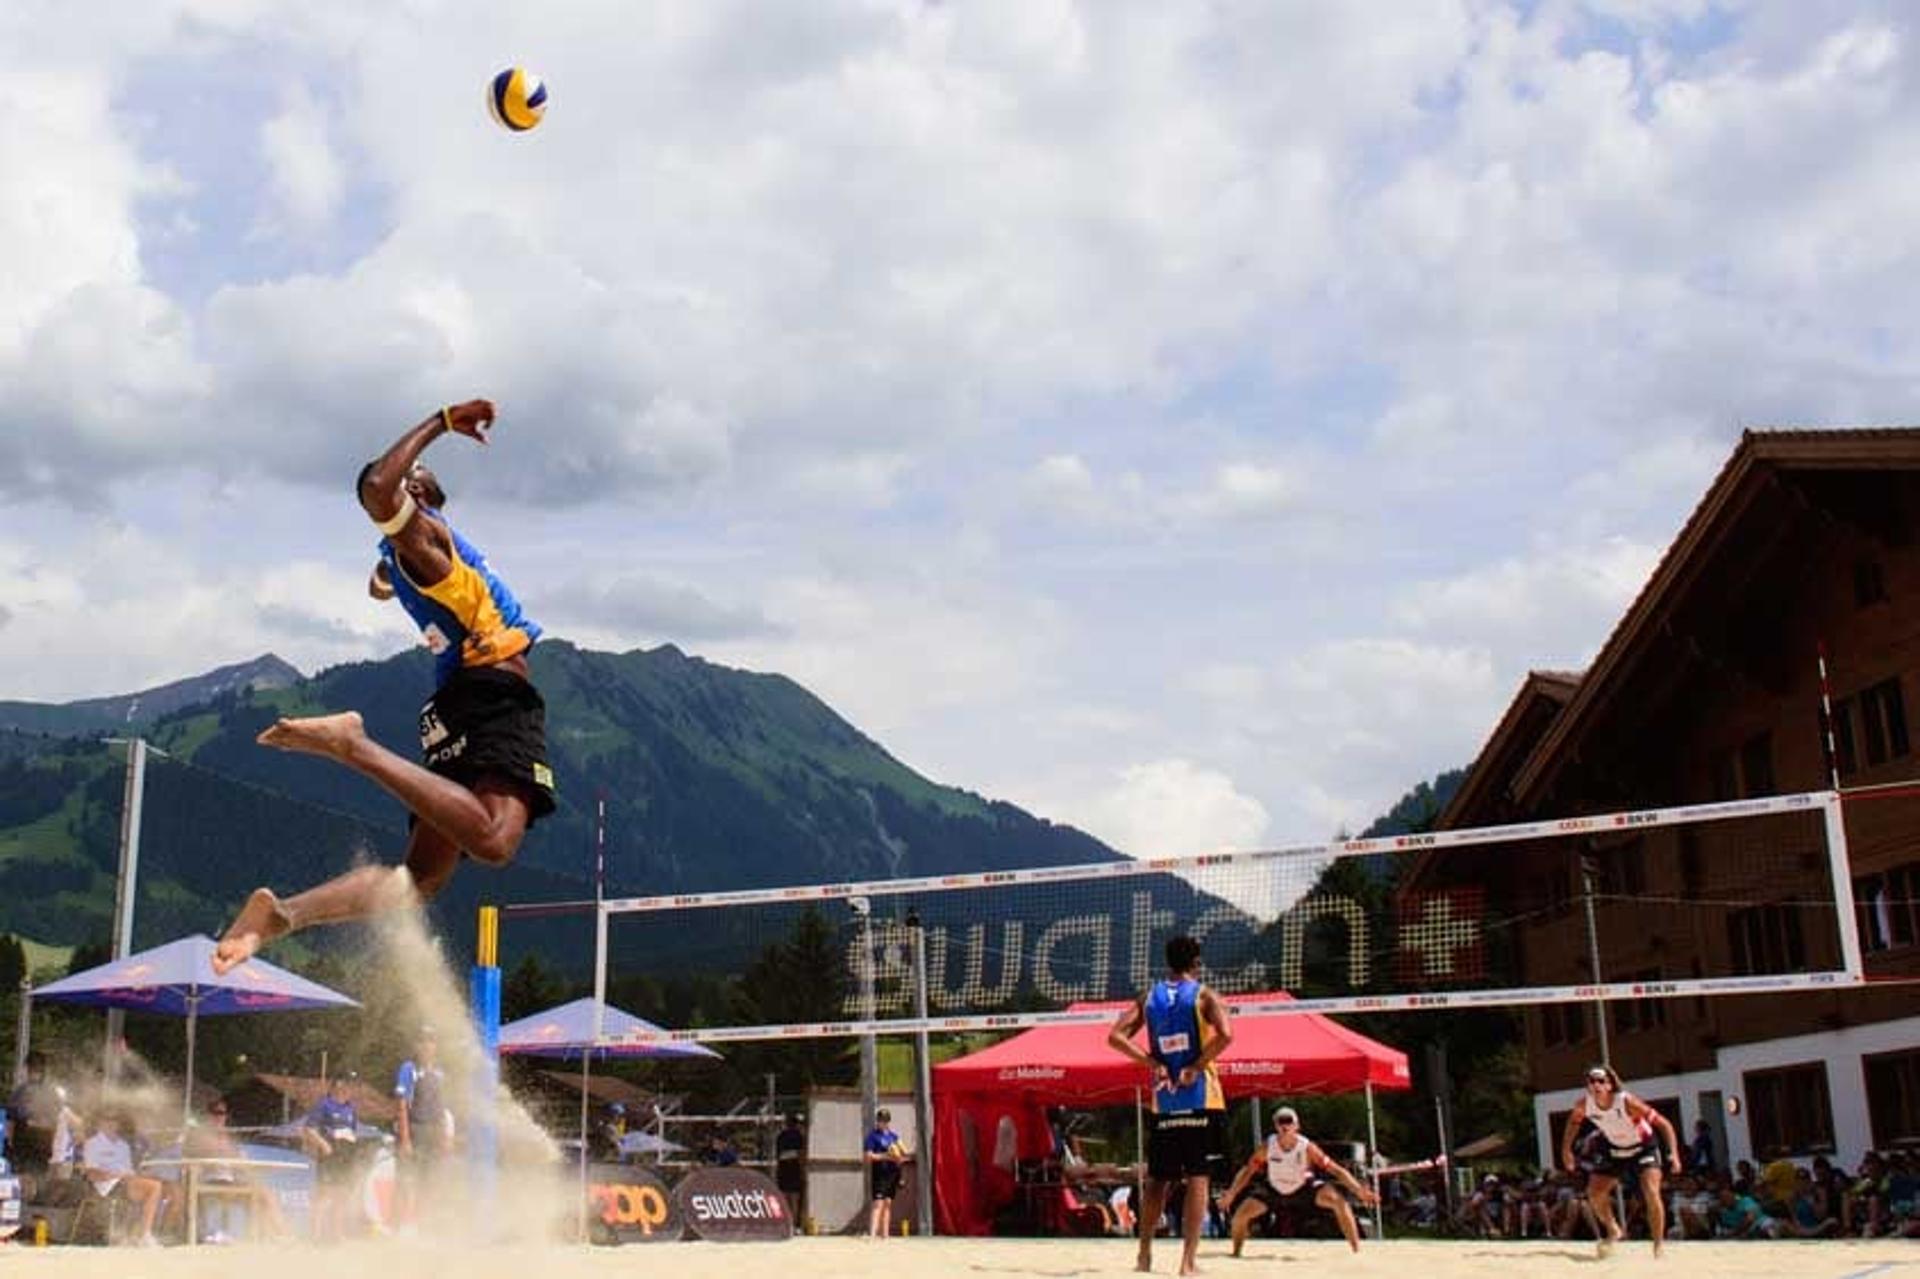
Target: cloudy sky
[(1187, 420)]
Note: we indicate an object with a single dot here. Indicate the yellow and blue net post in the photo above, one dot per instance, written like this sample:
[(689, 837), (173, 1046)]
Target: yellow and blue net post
[(483, 1131)]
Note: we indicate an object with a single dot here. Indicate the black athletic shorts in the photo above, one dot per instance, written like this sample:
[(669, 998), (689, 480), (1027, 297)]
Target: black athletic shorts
[(491, 724), (1263, 1192), (886, 1179), (1184, 1144)]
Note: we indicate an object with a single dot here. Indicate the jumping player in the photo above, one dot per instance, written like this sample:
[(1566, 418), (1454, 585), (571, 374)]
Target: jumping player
[(1298, 1173), (1627, 1127), (1187, 1029), (485, 778)]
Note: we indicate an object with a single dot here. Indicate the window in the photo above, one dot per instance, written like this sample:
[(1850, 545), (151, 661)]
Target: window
[(1893, 1098), (1766, 939), (1639, 1014), (1788, 1112), (1885, 905), (1846, 755), (1883, 721), (1723, 778), (1869, 583), (1756, 764)]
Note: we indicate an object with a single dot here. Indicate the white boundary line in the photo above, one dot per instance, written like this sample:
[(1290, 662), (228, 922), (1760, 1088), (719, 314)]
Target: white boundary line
[(1128, 868)]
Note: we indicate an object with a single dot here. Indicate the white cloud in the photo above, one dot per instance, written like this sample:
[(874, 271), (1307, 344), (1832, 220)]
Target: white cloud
[(1172, 806), (306, 176), (1563, 600)]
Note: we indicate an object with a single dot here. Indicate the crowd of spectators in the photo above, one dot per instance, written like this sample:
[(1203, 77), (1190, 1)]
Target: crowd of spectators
[(1780, 1200)]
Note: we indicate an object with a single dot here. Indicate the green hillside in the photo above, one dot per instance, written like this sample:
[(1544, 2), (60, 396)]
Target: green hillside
[(713, 778)]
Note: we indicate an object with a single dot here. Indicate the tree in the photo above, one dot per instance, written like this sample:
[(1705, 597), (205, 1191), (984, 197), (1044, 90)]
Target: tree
[(800, 979), (530, 988), (13, 964), (89, 954)]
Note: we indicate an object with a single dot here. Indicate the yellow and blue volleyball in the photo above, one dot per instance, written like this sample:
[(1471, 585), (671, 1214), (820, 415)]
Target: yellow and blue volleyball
[(517, 99)]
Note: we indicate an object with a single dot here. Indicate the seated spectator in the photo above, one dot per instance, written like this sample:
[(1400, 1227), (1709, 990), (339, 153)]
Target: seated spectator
[(1531, 1203), (1693, 1206), (331, 1134), (1901, 1187), (1863, 1209), (1740, 1217), (212, 1140), (106, 1160), (1488, 1210), (1743, 1177), (1803, 1219)]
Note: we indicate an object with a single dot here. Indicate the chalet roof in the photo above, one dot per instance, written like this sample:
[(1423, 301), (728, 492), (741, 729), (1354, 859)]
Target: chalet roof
[(373, 1105), (1541, 697), (1754, 465)]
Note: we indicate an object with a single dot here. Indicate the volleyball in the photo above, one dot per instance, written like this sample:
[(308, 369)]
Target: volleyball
[(517, 99)]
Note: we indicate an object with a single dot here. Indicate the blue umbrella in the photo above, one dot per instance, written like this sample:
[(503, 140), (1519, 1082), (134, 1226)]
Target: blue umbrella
[(178, 979), (567, 1032)]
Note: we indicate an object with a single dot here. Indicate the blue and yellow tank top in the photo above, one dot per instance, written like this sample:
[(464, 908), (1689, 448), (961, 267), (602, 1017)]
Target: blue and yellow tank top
[(469, 617), (1176, 1032)]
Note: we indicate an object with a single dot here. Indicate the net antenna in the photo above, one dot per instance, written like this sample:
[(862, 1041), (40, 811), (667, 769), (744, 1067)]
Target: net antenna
[(1739, 897)]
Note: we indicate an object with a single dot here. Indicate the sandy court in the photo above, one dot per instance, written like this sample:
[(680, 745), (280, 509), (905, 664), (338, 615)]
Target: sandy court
[(958, 1259)]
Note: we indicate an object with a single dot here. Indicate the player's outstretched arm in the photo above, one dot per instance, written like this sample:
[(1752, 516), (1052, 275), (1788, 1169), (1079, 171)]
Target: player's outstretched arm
[(381, 482)]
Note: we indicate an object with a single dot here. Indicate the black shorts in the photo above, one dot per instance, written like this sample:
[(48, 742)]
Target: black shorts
[(1600, 1157), (886, 1179), (1184, 1144), (1263, 1192), (488, 724)]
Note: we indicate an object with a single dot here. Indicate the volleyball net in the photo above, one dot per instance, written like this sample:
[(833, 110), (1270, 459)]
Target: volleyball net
[(1728, 898)]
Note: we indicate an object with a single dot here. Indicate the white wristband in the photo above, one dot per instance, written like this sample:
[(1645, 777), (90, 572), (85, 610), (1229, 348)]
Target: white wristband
[(400, 517)]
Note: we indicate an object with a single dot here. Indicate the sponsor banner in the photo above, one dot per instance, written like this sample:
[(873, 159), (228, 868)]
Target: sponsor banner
[(733, 1205), (628, 1204)]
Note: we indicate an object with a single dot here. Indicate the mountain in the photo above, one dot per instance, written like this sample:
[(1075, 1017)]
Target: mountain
[(713, 778), (136, 712)]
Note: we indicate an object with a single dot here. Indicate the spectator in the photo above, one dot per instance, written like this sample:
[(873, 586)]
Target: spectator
[(1743, 1177), (1740, 1217), (720, 1151), (1488, 1212), (1700, 1149), (790, 1167), (1694, 1204), (331, 1134), (34, 1111), (106, 1160), (212, 1140), (1804, 1219), (603, 1141), (1863, 1209), (424, 1131), (884, 1154)]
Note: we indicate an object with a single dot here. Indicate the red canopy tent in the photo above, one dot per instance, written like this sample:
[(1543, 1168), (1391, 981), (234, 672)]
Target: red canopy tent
[(990, 1107)]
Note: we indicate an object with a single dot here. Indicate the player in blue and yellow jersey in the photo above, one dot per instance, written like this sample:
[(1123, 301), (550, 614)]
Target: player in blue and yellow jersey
[(1187, 1029), (485, 777)]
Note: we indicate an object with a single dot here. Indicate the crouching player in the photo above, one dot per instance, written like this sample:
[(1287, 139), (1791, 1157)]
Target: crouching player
[(1298, 1174)]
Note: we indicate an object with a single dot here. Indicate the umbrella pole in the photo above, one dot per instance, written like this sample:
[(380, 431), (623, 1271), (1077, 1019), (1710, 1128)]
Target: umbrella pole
[(193, 1021), (1373, 1161), (586, 1072)]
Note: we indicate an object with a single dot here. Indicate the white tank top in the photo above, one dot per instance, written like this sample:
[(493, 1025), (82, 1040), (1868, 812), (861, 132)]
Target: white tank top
[(1288, 1170), (1622, 1131)]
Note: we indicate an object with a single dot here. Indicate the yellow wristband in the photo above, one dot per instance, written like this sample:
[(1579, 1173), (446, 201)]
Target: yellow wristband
[(446, 419)]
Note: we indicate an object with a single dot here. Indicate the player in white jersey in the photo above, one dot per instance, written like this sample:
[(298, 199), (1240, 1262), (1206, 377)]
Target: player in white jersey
[(1624, 1146), (1288, 1172)]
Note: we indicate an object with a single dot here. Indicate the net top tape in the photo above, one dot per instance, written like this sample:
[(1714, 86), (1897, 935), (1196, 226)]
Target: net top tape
[(1559, 828)]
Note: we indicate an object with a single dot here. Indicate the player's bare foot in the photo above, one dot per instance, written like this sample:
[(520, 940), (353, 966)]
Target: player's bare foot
[(1144, 1264), (334, 736), (261, 920)]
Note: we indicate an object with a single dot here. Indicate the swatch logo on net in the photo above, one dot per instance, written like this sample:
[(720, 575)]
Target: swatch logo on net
[(738, 1205)]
